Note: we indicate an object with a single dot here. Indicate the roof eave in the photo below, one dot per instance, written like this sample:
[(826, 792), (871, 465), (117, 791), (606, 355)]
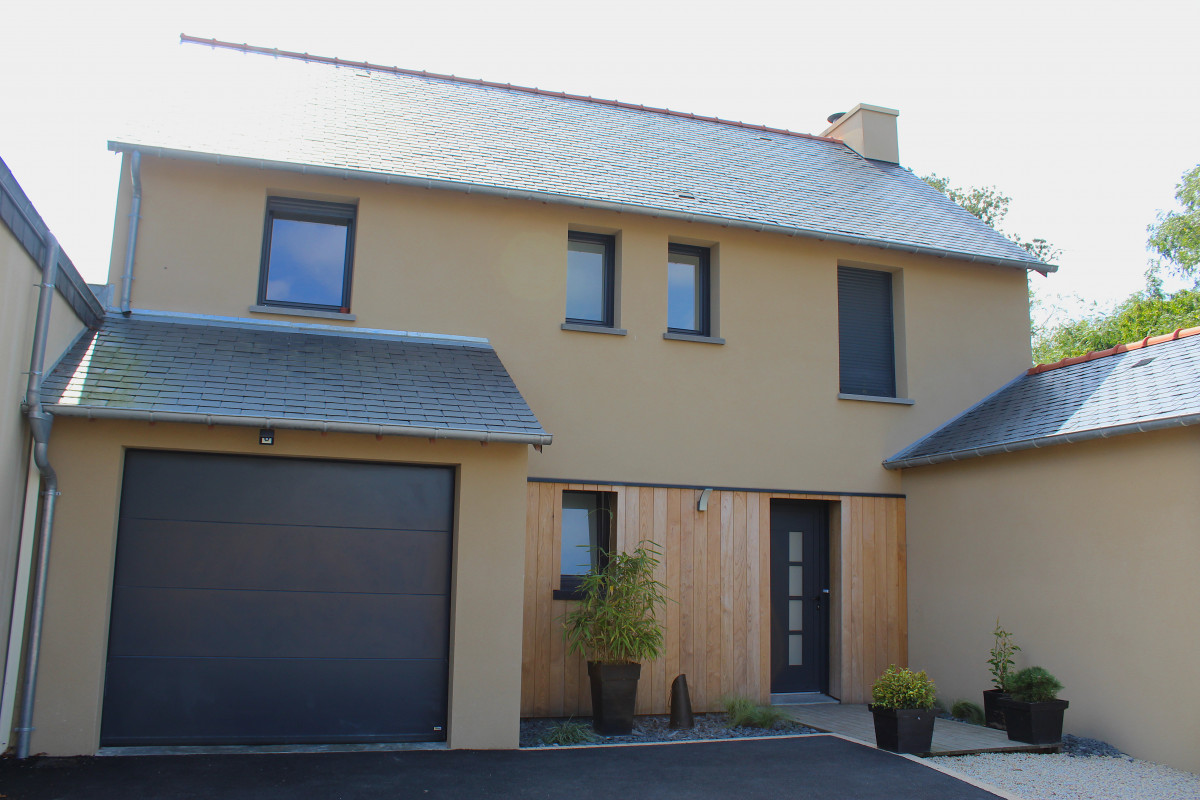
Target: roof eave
[(571, 200), (1045, 441), (292, 423)]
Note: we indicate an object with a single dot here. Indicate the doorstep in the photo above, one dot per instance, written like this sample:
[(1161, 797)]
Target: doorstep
[(949, 738)]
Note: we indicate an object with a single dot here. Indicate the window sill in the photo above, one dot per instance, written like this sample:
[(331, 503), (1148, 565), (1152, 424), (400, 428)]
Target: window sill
[(575, 326), (302, 312), (870, 398), (693, 337)]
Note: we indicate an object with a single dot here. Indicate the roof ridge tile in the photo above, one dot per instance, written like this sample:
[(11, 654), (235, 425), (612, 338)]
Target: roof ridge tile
[(1092, 355)]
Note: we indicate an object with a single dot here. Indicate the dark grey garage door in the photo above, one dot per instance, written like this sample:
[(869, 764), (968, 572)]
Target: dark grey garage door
[(271, 600)]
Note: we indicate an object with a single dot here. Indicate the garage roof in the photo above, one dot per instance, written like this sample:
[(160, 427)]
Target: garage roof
[(293, 111), (226, 371), (1146, 385)]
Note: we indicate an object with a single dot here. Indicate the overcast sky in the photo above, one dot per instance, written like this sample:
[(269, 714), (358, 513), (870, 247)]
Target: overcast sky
[(1085, 113)]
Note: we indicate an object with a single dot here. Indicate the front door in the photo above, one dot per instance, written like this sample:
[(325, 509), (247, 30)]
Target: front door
[(799, 596)]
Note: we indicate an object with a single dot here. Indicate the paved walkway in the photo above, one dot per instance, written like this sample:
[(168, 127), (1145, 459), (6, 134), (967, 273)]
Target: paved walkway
[(808, 767), (949, 738)]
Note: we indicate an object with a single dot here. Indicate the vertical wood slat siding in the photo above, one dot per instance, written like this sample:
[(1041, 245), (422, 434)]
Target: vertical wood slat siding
[(716, 565)]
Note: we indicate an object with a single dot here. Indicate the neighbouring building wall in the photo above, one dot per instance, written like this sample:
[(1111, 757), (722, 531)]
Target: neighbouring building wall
[(1087, 552), (486, 618), (760, 411), (716, 566)]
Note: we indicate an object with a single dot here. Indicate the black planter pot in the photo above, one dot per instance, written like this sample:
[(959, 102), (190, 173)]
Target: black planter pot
[(614, 694), (993, 710), (904, 730), (1035, 723)]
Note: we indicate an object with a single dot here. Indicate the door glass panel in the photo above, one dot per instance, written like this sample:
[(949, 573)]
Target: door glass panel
[(795, 615), (795, 650), (796, 546), (795, 581)]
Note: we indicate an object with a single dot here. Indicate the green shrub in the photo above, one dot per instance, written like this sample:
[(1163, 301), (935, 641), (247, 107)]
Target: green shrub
[(966, 710), (615, 620), (569, 732), (898, 687), (1000, 663), (1034, 685), (744, 712)]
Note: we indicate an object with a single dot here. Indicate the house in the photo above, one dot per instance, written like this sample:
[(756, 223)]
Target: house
[(1066, 504), (384, 348)]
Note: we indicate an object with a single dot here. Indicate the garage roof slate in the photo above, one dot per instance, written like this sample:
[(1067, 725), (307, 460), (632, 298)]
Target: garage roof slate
[(1131, 388), (247, 372), (351, 119)]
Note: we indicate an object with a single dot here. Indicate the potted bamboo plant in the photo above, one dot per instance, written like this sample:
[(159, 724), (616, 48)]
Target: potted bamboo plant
[(902, 704), (615, 626), (1000, 664), (1034, 713)]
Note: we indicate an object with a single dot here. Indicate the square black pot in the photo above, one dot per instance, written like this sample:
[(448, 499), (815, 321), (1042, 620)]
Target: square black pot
[(1035, 723), (993, 712), (904, 730), (614, 697)]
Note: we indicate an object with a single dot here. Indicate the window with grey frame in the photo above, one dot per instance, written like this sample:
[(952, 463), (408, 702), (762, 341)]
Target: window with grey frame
[(866, 333), (307, 255), (591, 279), (689, 290), (586, 525)]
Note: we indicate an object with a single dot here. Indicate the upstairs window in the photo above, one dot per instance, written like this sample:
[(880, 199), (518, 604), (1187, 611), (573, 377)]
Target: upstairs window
[(688, 290), (591, 259), (308, 249), (866, 333), (586, 531)]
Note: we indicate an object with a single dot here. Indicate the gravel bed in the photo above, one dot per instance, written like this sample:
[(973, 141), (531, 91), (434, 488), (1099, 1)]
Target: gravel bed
[(1074, 775), (657, 729)]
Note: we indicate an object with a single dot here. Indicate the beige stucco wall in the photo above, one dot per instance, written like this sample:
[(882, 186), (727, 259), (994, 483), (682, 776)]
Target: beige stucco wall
[(760, 411), (1088, 554), (19, 281), (485, 669)]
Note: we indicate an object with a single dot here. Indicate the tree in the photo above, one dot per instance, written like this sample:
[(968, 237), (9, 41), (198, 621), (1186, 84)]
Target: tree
[(990, 206), (1176, 235)]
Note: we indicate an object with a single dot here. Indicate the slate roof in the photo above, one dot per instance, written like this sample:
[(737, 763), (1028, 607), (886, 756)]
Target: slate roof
[(296, 111), (1137, 387), (289, 376)]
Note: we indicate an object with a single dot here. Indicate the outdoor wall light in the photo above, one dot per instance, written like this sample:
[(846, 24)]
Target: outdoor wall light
[(703, 504)]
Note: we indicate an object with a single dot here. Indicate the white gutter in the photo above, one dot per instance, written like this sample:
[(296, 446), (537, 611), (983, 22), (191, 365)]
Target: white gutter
[(579, 202), (101, 412), (1046, 441)]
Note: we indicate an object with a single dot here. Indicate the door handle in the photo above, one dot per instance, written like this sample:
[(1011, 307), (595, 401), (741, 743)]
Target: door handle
[(821, 596)]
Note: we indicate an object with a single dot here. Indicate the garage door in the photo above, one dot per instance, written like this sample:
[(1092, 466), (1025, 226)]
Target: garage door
[(273, 600)]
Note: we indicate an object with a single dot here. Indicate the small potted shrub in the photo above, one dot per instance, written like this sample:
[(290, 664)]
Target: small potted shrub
[(1000, 664), (616, 628), (1034, 713), (902, 704)]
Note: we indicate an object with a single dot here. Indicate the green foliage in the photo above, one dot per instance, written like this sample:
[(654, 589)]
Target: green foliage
[(966, 710), (1034, 685), (569, 732), (1145, 313), (1000, 661), (744, 712), (991, 207), (1176, 235), (615, 621), (898, 687)]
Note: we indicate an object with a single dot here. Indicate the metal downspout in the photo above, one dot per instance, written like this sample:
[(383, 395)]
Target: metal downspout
[(39, 425), (135, 214)]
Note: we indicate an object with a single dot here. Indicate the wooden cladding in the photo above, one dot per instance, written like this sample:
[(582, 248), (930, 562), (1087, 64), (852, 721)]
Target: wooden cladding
[(716, 567)]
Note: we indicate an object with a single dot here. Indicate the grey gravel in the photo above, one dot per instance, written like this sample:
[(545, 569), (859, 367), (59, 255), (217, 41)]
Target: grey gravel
[(650, 729), (1083, 747), (1036, 776)]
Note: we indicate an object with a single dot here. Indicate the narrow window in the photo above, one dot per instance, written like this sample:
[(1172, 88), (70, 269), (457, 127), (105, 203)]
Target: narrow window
[(590, 278), (308, 249), (688, 289), (865, 332), (586, 531)]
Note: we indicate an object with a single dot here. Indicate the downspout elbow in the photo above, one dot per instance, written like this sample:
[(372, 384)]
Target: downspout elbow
[(135, 214)]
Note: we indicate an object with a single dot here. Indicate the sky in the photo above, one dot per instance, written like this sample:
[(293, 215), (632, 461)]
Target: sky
[(1084, 113)]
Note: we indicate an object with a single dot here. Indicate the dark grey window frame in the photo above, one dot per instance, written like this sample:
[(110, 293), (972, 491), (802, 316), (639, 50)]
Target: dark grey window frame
[(609, 243), (866, 333), (308, 211), (606, 503), (703, 288)]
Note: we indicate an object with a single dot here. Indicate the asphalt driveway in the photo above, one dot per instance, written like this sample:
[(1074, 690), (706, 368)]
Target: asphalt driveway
[(811, 767)]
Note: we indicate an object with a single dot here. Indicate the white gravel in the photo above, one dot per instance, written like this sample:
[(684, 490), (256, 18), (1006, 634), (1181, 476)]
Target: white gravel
[(1043, 776)]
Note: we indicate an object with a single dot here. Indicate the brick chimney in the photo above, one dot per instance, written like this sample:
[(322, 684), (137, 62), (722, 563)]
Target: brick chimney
[(869, 131)]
